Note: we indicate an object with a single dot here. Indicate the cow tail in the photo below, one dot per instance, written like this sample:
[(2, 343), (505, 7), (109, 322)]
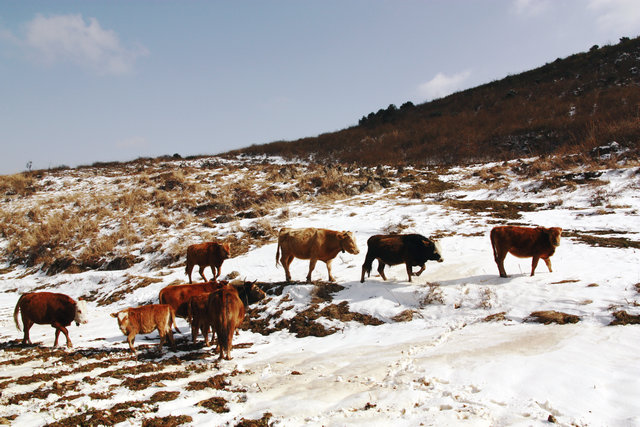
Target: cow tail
[(16, 311), (493, 244)]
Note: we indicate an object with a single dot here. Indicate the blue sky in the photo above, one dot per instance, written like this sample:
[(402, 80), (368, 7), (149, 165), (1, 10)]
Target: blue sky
[(88, 81)]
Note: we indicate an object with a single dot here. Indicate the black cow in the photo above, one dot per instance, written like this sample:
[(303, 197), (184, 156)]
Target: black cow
[(393, 249)]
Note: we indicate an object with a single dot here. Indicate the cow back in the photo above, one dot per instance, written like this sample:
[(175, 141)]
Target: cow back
[(177, 296)]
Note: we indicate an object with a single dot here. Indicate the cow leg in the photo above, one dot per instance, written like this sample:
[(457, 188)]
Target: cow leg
[(548, 262), (130, 339), (205, 331), (60, 328), (286, 262), (381, 270), (312, 265), (172, 342), (499, 258), (162, 341), (331, 278), (216, 272), (419, 271), (194, 330), (201, 271), (189, 270), (534, 264), (26, 324), (409, 270)]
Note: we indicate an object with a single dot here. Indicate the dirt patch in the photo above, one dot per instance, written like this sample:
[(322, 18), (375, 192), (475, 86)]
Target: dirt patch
[(494, 208), (143, 382), (262, 422), (304, 324), (215, 404), (550, 316), (405, 316), (42, 392), (324, 292), (170, 421), (164, 396), (623, 318), (591, 238), (496, 317), (217, 382)]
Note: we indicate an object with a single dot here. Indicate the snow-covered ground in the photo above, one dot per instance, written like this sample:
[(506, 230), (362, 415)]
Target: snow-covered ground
[(449, 365)]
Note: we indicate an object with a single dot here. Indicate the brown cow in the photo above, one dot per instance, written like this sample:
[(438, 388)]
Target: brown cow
[(198, 310), (198, 316), (410, 249), (226, 312), (313, 244), (144, 320), (210, 254), (47, 308), (178, 296), (524, 242)]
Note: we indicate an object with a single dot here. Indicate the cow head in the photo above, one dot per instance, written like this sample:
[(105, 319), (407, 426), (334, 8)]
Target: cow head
[(225, 251), (348, 243), (250, 292), (81, 312), (437, 251), (554, 235), (123, 320)]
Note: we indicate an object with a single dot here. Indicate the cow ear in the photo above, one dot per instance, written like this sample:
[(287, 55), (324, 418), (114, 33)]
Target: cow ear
[(114, 314)]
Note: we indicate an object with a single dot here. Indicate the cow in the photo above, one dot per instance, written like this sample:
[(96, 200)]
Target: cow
[(198, 310), (178, 296), (313, 244), (144, 320), (226, 311), (211, 254), (393, 249), (198, 317), (48, 308), (524, 242)]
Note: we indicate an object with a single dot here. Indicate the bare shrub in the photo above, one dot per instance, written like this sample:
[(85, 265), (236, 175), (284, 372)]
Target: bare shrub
[(434, 295), (18, 184)]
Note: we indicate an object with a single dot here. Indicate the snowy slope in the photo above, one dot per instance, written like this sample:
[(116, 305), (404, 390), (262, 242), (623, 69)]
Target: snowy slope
[(449, 365)]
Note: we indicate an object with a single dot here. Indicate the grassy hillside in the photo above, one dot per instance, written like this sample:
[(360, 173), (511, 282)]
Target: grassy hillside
[(570, 105)]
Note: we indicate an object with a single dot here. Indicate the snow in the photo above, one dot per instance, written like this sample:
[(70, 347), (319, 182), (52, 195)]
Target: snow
[(447, 366)]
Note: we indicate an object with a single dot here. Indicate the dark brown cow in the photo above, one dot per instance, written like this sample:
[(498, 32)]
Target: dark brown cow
[(198, 317), (393, 249), (47, 308), (178, 296), (313, 244), (524, 242), (211, 254), (144, 320), (226, 312)]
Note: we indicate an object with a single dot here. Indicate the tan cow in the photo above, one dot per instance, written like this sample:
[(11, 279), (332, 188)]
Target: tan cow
[(524, 242), (144, 320), (211, 254), (226, 312), (313, 244)]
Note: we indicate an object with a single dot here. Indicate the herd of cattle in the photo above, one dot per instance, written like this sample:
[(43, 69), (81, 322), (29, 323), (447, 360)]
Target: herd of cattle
[(220, 306)]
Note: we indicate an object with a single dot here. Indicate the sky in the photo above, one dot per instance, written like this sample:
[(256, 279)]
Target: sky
[(84, 82)]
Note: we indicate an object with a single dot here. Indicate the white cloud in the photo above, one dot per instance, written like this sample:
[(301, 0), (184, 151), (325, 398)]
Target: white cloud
[(442, 85), (530, 8), (621, 16), (64, 38)]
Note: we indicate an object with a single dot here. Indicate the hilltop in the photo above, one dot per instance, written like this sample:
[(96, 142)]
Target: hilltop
[(569, 105)]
